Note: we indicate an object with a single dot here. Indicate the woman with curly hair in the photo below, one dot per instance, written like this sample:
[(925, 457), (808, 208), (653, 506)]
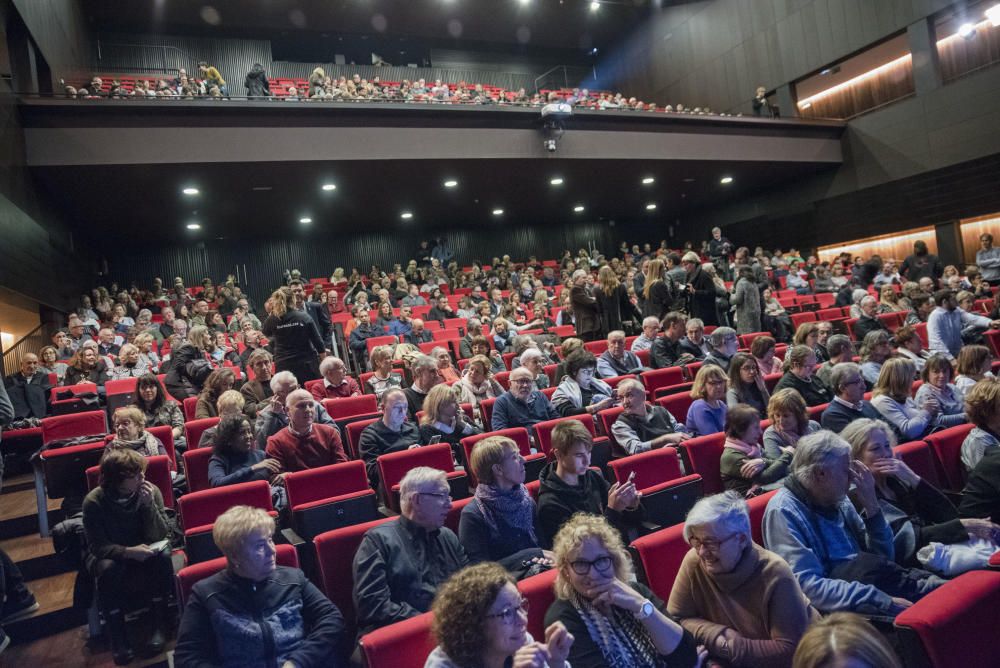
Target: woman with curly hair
[(480, 619), (615, 620), (218, 381)]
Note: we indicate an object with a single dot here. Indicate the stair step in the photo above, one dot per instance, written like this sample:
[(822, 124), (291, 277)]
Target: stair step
[(55, 610)]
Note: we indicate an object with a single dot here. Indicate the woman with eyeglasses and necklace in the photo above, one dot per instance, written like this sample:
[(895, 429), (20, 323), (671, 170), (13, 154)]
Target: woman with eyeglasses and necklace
[(738, 600), (481, 620), (614, 620)]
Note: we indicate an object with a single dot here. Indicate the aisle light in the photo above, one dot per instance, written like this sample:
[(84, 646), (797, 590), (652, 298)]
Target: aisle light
[(305, 221), (406, 215), (578, 208)]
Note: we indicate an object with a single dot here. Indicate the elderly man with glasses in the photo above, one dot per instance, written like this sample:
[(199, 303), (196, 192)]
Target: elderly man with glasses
[(523, 405)]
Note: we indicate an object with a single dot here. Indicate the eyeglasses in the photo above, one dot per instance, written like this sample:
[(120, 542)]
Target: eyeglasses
[(521, 381), (509, 615), (437, 495), (709, 545), (582, 566)]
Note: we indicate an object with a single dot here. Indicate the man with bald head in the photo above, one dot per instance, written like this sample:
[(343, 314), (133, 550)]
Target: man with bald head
[(304, 443), (29, 389)]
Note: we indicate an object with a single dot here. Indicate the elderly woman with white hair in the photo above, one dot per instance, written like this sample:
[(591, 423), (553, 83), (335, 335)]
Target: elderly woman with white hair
[(614, 620), (738, 600), (254, 612), (130, 363), (918, 513), (579, 391), (842, 558)]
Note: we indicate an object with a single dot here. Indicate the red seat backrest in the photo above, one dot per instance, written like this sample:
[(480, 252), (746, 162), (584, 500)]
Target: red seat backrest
[(650, 468), (166, 435), (540, 593), (157, 472), (335, 561), (517, 434), (596, 347), (486, 409), (376, 341), (325, 482), (393, 466), (951, 626), (405, 644), (189, 576), (196, 468), (919, 456), (677, 405), (947, 445), (59, 427), (354, 430), (657, 378), (120, 386), (195, 428), (613, 381), (543, 431), (190, 404), (200, 509), (348, 406), (79, 388), (661, 554), (703, 454), (757, 505), (503, 377)]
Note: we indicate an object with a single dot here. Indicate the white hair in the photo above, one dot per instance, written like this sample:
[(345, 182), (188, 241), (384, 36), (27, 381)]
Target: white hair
[(414, 479), (630, 385), (651, 321), (579, 273), (727, 511), (422, 362), (815, 451), (283, 378), (530, 354), (329, 362)]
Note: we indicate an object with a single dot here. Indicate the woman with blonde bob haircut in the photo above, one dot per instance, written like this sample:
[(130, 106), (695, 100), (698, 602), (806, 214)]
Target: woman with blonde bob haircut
[(844, 639), (614, 620), (499, 524), (223, 624), (891, 398), (738, 600), (445, 420), (481, 619)]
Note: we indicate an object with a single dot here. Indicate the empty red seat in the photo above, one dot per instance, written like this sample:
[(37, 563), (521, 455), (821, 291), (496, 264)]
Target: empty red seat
[(190, 404), (64, 469), (677, 405), (651, 468), (486, 409), (954, 624), (503, 377), (75, 425), (348, 406), (377, 341), (667, 494), (757, 505), (702, 455), (196, 468), (615, 380), (189, 576), (199, 510), (354, 430), (596, 347), (540, 593), (405, 644), (335, 552), (661, 554), (395, 465), (195, 428), (657, 378), (919, 456), (330, 497), (947, 445)]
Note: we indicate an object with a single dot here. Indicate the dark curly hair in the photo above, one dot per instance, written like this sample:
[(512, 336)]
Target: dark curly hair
[(460, 610), (579, 359), (227, 433)]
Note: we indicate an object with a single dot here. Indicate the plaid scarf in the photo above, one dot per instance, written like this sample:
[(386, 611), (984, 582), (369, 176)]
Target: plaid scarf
[(514, 505)]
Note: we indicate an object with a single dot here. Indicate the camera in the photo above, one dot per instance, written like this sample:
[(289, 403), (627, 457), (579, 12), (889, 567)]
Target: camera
[(554, 117)]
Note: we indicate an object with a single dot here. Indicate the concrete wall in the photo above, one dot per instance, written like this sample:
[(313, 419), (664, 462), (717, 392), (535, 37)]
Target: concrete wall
[(59, 29)]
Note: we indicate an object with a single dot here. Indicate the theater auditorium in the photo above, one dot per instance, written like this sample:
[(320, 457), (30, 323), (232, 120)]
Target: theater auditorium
[(499, 333)]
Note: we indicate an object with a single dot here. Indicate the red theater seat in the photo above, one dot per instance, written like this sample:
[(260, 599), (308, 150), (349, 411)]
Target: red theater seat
[(330, 497), (657, 378), (702, 455), (757, 505), (348, 406), (195, 428), (919, 456), (75, 425), (395, 465), (189, 576), (199, 510), (947, 445), (190, 404), (405, 644), (667, 494), (157, 472), (354, 430), (677, 405), (540, 594), (533, 461), (196, 468), (64, 469), (660, 554), (954, 625), (600, 455)]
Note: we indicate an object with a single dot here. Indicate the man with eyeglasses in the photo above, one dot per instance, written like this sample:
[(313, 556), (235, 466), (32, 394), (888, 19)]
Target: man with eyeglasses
[(523, 405), (616, 360), (399, 565), (849, 403), (724, 344)]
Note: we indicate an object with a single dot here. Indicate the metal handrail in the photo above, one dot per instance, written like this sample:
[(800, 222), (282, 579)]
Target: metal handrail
[(13, 356), (161, 47), (550, 71)]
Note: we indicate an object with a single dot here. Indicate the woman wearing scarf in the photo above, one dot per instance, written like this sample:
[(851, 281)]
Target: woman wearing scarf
[(499, 523), (744, 467), (130, 433), (614, 620), (579, 392)]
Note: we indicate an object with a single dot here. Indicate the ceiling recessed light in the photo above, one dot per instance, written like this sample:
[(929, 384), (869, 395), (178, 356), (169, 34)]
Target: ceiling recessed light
[(967, 30), (594, 6), (688, 180), (190, 191), (406, 215), (556, 181), (578, 208), (305, 221), (450, 184), (193, 226), (726, 180), (993, 15), (329, 186), (650, 207), (649, 179), (497, 212)]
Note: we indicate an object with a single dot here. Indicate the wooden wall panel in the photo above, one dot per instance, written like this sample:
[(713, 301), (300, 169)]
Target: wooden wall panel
[(971, 230), (888, 246)]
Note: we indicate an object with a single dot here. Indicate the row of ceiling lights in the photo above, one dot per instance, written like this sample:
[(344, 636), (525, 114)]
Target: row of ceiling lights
[(594, 5), (452, 183)]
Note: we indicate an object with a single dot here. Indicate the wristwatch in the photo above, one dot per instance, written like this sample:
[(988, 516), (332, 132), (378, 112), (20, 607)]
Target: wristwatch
[(646, 610)]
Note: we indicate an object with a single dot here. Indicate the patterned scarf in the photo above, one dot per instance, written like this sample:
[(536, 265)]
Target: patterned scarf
[(514, 505), (621, 637)]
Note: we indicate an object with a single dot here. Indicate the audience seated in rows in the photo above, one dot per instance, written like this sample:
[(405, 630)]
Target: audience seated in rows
[(800, 376), (273, 416), (444, 421), (336, 381), (219, 381), (974, 364), (746, 383), (848, 403), (29, 390), (579, 391), (790, 421)]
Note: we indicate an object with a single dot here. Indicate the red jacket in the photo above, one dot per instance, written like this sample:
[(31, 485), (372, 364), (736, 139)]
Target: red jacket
[(320, 447)]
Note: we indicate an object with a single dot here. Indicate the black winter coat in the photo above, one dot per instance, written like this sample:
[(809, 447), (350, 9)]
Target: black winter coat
[(257, 84), (188, 370)]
